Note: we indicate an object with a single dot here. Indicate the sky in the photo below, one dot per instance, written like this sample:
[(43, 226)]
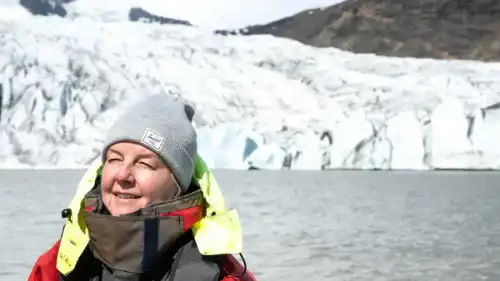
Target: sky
[(238, 13), (210, 14)]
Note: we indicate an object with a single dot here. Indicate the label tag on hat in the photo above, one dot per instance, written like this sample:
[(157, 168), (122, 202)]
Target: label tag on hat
[(153, 139)]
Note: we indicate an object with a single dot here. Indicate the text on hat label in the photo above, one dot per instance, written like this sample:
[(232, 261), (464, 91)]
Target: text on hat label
[(153, 139)]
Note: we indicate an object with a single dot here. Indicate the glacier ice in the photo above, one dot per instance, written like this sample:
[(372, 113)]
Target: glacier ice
[(485, 133), (449, 127), (406, 138), (229, 148), (262, 102)]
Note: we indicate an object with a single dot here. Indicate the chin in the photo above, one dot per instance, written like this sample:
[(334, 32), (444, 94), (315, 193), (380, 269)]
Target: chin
[(122, 212)]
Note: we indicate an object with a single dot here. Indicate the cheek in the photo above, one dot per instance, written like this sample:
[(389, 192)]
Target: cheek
[(149, 186), (155, 187), (107, 179)]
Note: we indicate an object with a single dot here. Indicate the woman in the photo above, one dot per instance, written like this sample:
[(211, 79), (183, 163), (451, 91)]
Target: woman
[(150, 210)]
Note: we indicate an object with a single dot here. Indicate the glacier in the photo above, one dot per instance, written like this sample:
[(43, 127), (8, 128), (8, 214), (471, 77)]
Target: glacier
[(261, 102)]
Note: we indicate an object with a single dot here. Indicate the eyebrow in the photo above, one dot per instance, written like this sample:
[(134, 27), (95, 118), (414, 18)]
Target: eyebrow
[(115, 151), (147, 156)]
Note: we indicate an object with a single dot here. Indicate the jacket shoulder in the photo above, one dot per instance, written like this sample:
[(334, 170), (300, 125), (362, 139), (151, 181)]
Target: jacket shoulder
[(45, 267), (190, 264)]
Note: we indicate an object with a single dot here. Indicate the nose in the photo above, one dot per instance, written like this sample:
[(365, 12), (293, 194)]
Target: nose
[(125, 175)]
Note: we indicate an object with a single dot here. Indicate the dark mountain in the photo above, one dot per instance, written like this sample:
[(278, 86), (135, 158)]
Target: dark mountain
[(45, 7), (56, 7), (446, 29), (139, 14)]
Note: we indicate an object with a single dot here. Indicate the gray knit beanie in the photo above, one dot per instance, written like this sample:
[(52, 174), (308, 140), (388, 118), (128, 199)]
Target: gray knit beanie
[(163, 125)]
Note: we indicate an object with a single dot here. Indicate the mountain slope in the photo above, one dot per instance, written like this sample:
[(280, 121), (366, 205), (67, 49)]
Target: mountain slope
[(446, 29)]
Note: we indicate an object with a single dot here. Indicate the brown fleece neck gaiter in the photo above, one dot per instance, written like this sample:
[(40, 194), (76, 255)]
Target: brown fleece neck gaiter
[(133, 243)]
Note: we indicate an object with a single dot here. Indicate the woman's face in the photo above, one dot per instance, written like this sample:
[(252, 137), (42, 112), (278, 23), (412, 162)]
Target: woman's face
[(134, 177)]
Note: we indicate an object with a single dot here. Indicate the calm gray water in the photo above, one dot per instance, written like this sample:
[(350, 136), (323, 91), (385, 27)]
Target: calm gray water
[(298, 225)]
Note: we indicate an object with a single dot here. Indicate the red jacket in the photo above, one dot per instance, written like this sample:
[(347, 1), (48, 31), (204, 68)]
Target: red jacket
[(45, 268)]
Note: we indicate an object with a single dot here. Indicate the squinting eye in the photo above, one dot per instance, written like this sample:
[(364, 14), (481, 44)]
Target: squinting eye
[(146, 164)]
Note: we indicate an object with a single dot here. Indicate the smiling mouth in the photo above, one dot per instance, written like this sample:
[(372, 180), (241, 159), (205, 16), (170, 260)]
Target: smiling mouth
[(126, 196)]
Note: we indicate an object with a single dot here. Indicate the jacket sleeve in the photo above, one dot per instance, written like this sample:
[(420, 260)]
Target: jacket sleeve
[(45, 267), (233, 270)]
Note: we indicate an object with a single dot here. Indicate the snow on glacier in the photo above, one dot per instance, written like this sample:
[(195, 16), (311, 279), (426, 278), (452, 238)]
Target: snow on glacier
[(261, 101)]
